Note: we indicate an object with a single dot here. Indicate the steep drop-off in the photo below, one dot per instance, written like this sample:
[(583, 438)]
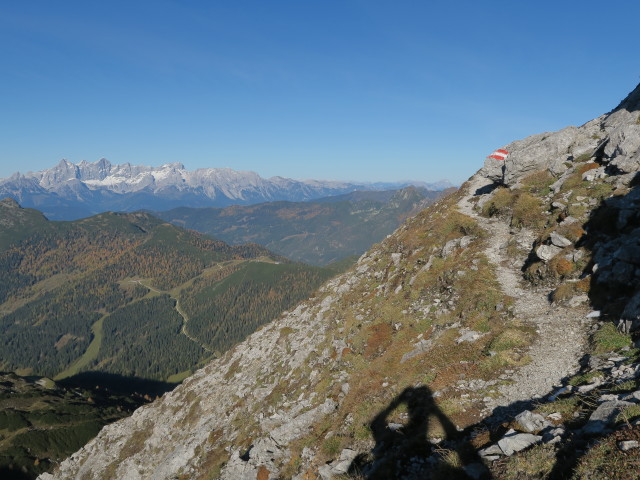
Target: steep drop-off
[(471, 319)]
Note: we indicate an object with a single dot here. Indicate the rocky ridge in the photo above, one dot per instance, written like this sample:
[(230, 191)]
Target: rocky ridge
[(453, 349)]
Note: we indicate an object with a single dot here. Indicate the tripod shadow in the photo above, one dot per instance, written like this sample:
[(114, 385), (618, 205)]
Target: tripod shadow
[(405, 447)]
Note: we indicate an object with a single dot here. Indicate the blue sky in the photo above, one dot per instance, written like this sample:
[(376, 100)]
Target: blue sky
[(333, 89)]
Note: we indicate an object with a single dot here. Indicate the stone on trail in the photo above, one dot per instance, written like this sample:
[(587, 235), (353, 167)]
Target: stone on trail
[(558, 240), (513, 442), (531, 422), (547, 252), (604, 416)]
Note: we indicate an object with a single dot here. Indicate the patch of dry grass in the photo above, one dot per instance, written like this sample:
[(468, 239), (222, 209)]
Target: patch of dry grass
[(528, 211), (538, 183)]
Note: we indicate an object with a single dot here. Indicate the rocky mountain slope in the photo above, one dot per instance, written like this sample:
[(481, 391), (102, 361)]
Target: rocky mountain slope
[(316, 232), (477, 341), (69, 191)]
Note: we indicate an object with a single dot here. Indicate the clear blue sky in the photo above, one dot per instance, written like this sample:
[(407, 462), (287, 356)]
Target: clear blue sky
[(329, 89)]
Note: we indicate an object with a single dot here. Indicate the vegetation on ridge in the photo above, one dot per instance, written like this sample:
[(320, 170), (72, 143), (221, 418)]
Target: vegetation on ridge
[(41, 423)]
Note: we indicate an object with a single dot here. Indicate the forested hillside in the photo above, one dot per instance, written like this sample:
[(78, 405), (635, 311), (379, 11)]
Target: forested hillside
[(107, 293), (42, 422), (318, 232)]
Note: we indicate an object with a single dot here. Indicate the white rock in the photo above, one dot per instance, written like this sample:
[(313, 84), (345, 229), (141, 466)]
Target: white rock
[(531, 422), (468, 336), (558, 240), (547, 252), (628, 445), (513, 442)]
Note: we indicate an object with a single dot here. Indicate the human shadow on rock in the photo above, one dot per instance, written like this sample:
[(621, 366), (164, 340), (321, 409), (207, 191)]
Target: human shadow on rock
[(404, 448)]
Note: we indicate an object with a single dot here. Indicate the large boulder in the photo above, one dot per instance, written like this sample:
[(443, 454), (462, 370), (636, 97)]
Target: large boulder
[(513, 442), (547, 252), (531, 422), (545, 151)]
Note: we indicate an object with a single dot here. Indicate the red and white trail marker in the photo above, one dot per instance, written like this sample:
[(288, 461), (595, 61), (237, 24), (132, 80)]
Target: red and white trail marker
[(499, 154)]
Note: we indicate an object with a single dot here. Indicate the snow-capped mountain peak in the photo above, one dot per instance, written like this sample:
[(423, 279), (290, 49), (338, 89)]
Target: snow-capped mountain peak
[(92, 187)]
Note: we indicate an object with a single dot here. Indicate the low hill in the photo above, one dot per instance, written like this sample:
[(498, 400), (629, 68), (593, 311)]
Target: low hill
[(42, 422), (316, 232), (131, 295)]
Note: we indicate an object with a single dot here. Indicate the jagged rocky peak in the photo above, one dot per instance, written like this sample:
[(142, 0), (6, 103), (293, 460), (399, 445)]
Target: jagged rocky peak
[(64, 171), (630, 104), (613, 139), (67, 190), (97, 170)]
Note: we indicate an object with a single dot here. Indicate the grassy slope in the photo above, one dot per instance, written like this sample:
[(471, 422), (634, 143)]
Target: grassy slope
[(380, 320), (403, 303)]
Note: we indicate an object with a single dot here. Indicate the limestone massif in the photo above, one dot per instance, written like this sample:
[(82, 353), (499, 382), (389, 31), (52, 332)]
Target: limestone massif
[(452, 345), (70, 191)]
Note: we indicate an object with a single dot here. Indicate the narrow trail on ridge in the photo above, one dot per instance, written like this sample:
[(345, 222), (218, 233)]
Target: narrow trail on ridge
[(561, 331)]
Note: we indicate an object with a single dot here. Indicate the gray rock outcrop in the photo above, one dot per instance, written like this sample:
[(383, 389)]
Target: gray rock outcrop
[(513, 442), (604, 416), (613, 138)]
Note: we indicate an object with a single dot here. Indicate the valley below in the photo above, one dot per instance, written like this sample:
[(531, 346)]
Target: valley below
[(492, 335)]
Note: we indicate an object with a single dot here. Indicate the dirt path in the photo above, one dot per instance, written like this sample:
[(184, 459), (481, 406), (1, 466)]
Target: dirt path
[(561, 333), (185, 318)]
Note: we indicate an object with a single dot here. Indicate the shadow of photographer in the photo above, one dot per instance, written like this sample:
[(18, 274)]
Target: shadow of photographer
[(406, 447)]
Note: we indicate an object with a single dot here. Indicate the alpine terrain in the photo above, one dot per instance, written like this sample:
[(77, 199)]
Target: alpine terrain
[(488, 337), (318, 232), (127, 294), (70, 191)]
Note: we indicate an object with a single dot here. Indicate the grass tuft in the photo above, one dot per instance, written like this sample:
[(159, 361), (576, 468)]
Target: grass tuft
[(608, 339)]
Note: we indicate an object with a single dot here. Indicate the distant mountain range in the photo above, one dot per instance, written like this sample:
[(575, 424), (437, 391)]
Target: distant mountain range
[(70, 191)]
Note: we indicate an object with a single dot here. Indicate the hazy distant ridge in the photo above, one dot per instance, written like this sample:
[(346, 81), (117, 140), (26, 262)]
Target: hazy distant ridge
[(69, 190)]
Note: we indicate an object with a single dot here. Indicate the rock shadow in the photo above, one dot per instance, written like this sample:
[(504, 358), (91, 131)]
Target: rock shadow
[(613, 237), (118, 384), (487, 189), (8, 473), (405, 449)]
